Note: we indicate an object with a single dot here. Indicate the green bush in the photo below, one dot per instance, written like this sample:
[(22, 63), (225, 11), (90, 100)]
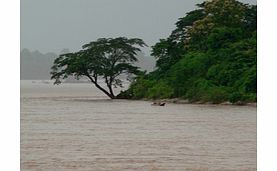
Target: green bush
[(160, 90), (251, 97), (140, 88), (236, 97), (198, 90), (217, 95)]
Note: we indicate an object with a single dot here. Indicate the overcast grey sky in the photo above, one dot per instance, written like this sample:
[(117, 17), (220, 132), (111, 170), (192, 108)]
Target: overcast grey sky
[(51, 25)]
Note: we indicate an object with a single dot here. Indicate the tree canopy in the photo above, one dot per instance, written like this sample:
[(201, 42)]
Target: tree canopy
[(210, 56), (105, 58)]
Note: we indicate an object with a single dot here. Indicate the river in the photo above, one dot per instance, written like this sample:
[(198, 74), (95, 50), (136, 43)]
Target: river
[(74, 127)]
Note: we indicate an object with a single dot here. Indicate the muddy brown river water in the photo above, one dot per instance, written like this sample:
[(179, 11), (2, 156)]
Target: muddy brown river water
[(73, 127)]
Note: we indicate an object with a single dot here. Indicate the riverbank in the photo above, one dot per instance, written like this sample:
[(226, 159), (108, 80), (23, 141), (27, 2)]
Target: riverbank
[(214, 98), (184, 101)]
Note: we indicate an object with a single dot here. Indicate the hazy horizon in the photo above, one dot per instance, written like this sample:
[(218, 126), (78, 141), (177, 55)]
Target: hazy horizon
[(50, 26)]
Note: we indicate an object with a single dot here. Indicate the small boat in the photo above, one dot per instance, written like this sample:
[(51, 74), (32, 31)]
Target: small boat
[(158, 104), (162, 104)]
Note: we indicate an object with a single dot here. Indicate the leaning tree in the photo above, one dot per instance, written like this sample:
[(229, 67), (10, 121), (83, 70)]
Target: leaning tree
[(105, 59)]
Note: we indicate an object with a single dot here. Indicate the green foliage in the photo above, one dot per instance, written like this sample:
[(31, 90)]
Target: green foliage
[(138, 88), (217, 94), (141, 87), (236, 97), (105, 59), (210, 57), (160, 90), (198, 90), (179, 75), (168, 51)]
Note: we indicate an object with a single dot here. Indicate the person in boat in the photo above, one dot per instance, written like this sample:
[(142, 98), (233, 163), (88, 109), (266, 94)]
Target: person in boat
[(158, 103), (162, 104)]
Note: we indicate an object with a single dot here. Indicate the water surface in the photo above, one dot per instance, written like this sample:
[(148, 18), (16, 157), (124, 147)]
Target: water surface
[(73, 127)]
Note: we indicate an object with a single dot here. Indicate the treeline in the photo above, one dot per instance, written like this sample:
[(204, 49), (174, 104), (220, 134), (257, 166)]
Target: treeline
[(35, 65), (211, 56)]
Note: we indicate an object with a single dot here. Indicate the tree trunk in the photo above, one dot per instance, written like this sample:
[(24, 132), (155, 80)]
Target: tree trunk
[(111, 90), (111, 95)]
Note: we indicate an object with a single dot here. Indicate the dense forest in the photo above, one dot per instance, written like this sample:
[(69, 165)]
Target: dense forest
[(211, 56)]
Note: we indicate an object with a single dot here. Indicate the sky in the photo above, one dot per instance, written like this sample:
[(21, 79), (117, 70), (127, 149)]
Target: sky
[(52, 25)]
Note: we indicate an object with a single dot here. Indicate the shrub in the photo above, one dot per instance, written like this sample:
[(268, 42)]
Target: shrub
[(140, 88), (160, 90), (198, 90), (236, 97), (217, 94)]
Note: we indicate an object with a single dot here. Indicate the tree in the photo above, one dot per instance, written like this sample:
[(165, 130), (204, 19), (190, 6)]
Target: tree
[(105, 58), (169, 51), (210, 56)]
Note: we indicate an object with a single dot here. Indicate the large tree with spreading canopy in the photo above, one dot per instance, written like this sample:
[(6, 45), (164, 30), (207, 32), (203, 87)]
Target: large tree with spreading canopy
[(105, 59)]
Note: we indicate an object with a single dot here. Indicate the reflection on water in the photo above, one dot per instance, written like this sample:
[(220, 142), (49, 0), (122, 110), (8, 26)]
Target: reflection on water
[(73, 127)]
